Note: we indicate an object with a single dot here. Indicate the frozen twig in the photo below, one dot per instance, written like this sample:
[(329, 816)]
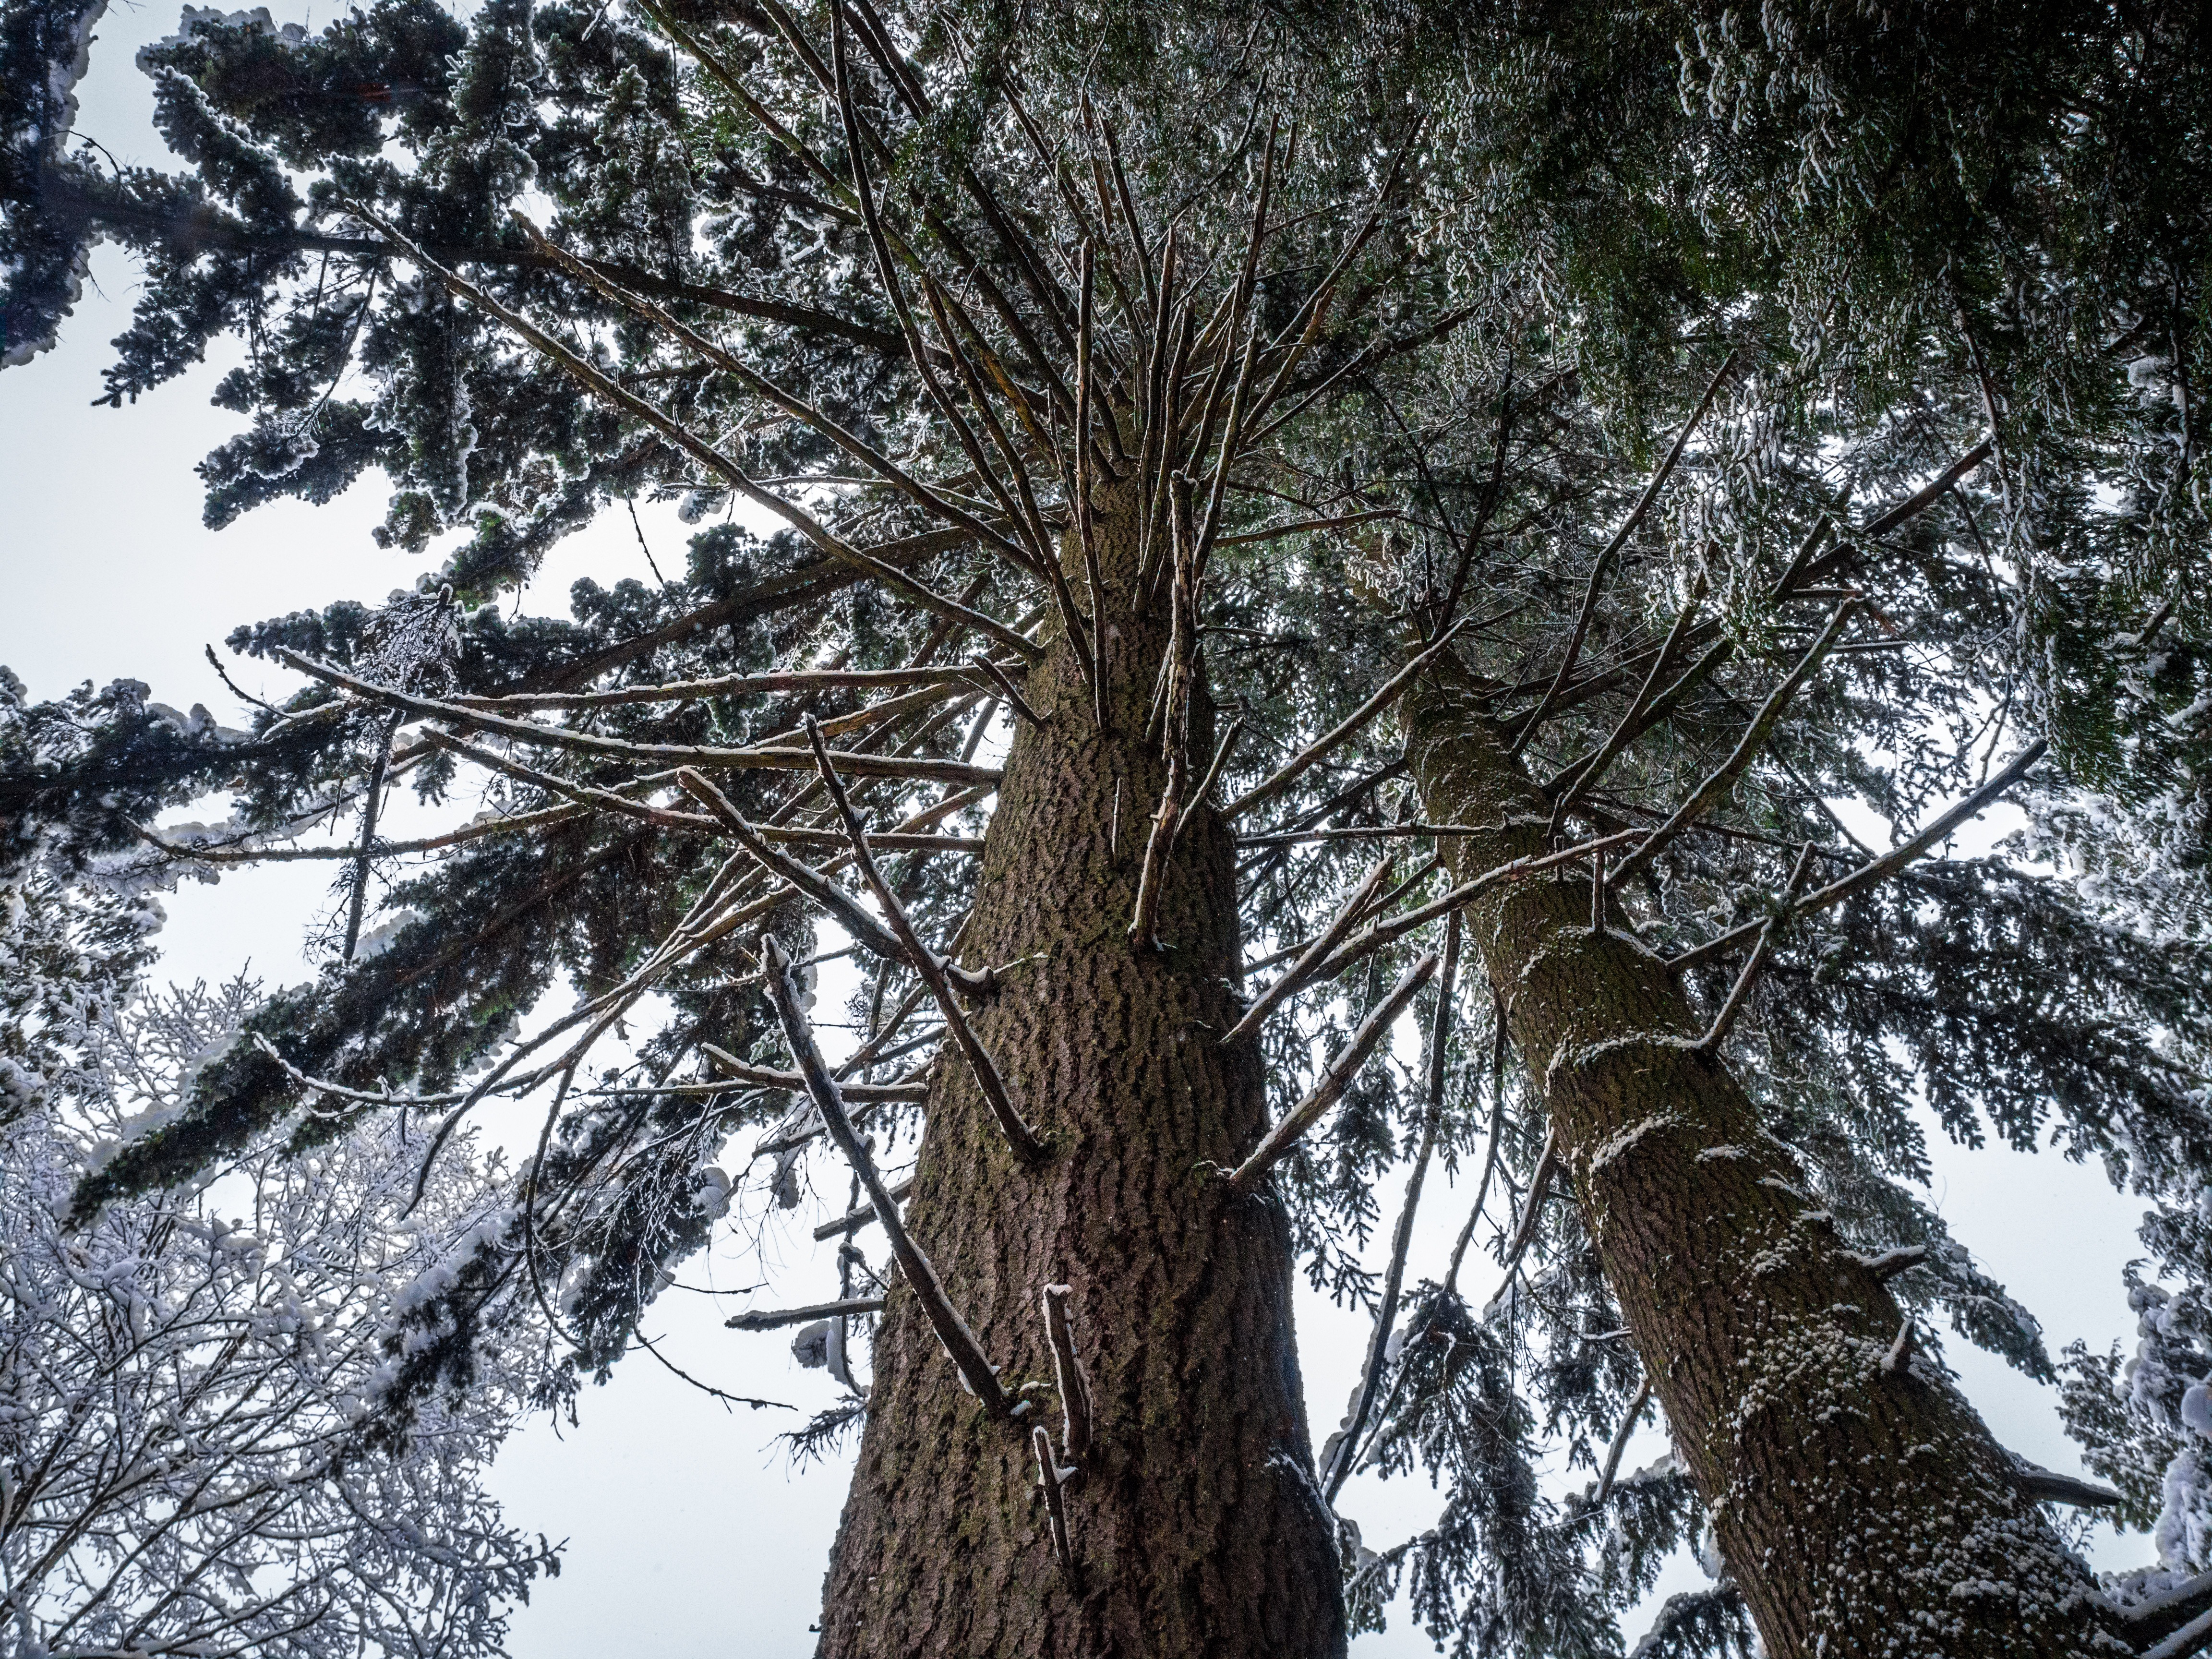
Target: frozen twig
[(1334, 1078), (1067, 1375), (1890, 1263), (1901, 1350), (981, 1377), (852, 1220), (776, 1318)]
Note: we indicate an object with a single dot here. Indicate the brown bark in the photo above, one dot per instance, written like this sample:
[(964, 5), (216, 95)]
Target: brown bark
[(1860, 1510), (1196, 1527)]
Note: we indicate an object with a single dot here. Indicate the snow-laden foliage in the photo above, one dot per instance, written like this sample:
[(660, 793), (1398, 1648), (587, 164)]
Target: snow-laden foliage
[(180, 1379)]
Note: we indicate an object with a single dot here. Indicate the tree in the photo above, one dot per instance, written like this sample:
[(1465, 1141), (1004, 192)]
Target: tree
[(179, 1472), (1525, 340)]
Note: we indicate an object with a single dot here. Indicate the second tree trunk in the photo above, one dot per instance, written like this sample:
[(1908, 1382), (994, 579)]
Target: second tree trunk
[(1860, 1505)]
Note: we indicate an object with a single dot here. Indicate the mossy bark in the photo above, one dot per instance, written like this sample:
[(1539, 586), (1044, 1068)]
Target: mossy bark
[(1862, 1510), (1197, 1528)]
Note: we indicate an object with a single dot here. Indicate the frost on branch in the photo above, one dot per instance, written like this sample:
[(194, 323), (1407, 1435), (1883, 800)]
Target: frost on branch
[(179, 1383)]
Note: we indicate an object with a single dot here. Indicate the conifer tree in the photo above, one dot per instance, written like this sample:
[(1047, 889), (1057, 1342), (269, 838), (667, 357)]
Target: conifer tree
[(1519, 469)]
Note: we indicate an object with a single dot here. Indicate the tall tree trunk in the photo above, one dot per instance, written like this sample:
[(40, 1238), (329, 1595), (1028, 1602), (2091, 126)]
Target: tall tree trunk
[(1863, 1507), (1196, 1529)]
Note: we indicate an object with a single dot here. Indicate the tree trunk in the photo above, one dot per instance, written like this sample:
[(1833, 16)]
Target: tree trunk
[(1862, 1508), (1196, 1527)]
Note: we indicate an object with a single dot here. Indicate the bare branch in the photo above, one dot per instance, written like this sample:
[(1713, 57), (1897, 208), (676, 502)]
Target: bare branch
[(853, 1220), (935, 971), (762, 1077), (1709, 793), (1334, 1079), (1881, 869), (1056, 1500), (1347, 918), (980, 1375), (630, 404)]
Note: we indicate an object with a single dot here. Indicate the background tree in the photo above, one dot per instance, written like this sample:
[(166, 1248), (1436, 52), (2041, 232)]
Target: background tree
[(181, 1380), (1441, 334)]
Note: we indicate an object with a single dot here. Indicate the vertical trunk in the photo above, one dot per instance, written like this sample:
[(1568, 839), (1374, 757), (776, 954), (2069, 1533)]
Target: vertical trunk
[(1196, 1529), (1862, 1509)]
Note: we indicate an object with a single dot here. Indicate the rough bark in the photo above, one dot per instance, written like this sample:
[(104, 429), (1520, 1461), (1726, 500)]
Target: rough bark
[(1862, 1510), (1196, 1527)]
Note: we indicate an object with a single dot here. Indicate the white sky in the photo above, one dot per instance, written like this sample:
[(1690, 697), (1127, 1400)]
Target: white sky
[(685, 1528)]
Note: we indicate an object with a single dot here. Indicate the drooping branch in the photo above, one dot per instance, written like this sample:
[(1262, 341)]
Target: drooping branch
[(1401, 1241), (1334, 1078), (372, 798), (980, 1375), (936, 972), (1532, 1213)]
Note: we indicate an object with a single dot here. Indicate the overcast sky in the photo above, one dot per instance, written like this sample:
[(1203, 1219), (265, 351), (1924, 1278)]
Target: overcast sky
[(688, 1532)]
